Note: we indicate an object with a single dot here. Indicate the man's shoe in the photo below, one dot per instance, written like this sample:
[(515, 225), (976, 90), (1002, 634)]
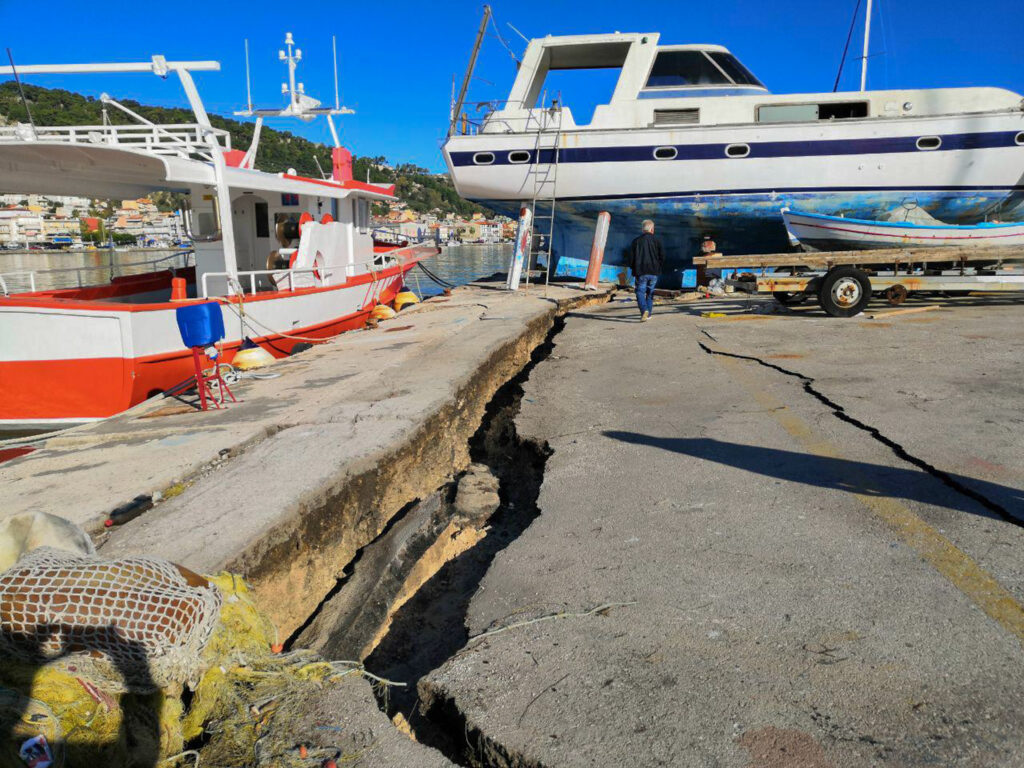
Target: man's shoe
[(645, 316)]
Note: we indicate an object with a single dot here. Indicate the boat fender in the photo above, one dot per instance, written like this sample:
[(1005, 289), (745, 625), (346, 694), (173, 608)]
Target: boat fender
[(405, 298), (253, 357), (382, 312)]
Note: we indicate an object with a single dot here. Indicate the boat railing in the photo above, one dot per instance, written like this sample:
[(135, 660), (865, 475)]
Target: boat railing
[(186, 140), (241, 280), (28, 277)]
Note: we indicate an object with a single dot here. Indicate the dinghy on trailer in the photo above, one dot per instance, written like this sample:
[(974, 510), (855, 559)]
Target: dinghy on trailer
[(838, 233)]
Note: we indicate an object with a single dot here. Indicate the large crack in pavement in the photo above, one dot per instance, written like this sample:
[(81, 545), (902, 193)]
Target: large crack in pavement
[(431, 627), (837, 410)]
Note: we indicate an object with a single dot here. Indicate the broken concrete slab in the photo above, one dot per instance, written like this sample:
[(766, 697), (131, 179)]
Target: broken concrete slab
[(775, 558)]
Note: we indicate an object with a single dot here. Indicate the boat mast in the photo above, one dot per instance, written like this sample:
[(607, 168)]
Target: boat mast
[(864, 60), (469, 70)]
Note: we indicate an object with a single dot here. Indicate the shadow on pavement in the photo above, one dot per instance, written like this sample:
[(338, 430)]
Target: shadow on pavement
[(829, 473)]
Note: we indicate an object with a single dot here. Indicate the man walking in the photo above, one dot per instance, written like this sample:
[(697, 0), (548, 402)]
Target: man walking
[(646, 259)]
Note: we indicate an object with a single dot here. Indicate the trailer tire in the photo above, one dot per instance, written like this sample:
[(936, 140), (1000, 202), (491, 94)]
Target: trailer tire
[(844, 291)]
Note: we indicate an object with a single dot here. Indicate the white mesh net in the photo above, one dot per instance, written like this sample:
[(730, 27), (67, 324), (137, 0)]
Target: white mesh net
[(147, 618)]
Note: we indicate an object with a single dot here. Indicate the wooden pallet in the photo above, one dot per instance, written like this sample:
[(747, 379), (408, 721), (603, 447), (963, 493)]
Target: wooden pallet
[(890, 257)]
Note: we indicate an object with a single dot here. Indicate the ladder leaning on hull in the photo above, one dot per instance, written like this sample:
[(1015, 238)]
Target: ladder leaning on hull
[(544, 171)]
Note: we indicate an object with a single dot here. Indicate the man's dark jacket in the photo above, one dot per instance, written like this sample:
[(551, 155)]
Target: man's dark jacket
[(646, 255)]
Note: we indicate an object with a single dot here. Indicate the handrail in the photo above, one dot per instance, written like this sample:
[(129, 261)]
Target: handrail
[(372, 266), (181, 139), (31, 274)]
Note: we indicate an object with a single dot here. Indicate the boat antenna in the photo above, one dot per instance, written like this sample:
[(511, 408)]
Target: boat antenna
[(846, 48), (21, 90), (334, 49), (248, 84), (867, 38)]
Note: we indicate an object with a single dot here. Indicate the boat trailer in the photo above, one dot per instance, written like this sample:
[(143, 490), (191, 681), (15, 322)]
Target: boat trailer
[(843, 282)]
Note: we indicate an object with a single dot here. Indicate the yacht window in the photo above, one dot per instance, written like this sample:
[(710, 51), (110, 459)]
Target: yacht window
[(1020, 138), (665, 153), (732, 67), (483, 158), (929, 142), (519, 157), (803, 113), (676, 68), (737, 150), (842, 110)]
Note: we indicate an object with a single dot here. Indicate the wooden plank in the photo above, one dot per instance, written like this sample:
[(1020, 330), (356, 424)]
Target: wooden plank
[(910, 311), (826, 259)]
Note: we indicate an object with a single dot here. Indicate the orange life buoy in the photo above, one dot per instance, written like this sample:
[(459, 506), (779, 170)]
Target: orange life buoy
[(327, 219), (304, 219)]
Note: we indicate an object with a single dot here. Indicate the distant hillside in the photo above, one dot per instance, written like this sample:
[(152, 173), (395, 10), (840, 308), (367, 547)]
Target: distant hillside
[(278, 151)]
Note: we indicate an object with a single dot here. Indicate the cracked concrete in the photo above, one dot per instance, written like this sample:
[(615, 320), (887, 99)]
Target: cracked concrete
[(286, 486), (803, 591)]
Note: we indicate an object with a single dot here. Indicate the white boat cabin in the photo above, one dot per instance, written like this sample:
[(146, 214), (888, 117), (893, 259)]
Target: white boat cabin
[(688, 85)]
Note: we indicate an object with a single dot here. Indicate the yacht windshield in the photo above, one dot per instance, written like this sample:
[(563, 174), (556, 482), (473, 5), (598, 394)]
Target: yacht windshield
[(689, 68), (739, 74)]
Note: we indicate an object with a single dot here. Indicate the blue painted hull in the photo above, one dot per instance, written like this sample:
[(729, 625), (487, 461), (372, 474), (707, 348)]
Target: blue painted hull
[(739, 223)]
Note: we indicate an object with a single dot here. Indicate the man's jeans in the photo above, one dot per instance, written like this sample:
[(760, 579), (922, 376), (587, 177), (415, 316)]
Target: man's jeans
[(645, 292)]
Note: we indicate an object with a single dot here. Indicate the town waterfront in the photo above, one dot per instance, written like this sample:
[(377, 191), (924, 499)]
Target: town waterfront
[(457, 264)]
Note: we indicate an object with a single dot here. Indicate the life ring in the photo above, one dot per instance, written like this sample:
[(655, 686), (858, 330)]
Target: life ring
[(327, 219), (304, 219), (318, 262)]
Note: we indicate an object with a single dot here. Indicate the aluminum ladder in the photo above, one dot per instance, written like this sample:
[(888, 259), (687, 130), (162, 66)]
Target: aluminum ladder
[(544, 171)]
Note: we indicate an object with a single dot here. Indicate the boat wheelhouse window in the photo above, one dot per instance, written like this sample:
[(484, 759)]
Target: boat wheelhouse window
[(737, 150), (520, 156), (680, 68), (361, 214), (666, 153), (483, 158), (262, 215), (734, 69), (929, 142)]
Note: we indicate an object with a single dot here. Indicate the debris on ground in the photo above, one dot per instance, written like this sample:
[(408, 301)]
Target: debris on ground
[(139, 661)]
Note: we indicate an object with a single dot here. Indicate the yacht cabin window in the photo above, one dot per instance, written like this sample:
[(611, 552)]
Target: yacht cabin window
[(675, 69)]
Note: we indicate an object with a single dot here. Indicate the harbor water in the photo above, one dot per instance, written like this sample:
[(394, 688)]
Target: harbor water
[(457, 264)]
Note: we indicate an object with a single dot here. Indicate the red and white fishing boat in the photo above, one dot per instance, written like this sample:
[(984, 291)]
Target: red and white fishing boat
[(290, 259)]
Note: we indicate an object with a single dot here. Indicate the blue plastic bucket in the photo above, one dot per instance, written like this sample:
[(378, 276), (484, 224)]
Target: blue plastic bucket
[(200, 324)]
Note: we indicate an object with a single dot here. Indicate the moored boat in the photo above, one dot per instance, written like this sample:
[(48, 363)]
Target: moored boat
[(839, 233), (290, 259)]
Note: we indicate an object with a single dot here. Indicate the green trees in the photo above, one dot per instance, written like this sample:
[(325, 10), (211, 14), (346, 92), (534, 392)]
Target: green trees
[(279, 150)]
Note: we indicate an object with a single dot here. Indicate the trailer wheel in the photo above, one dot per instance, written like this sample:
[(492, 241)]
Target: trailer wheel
[(789, 297), (844, 291), (896, 294)]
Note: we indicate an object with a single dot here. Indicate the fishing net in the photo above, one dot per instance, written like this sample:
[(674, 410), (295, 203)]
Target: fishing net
[(139, 622), (129, 662)]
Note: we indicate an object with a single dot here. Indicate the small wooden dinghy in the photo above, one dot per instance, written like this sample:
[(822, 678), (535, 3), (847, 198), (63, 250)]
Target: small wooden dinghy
[(836, 233)]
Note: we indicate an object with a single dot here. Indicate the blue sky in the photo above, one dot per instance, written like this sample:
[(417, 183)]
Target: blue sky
[(397, 59)]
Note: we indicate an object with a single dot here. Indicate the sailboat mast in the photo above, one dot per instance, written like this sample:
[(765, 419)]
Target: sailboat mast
[(867, 39)]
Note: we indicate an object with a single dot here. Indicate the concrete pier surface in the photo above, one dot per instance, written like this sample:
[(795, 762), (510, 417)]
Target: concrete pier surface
[(763, 540)]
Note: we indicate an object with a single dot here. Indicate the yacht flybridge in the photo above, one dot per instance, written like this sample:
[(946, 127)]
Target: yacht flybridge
[(693, 140), (290, 259)]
